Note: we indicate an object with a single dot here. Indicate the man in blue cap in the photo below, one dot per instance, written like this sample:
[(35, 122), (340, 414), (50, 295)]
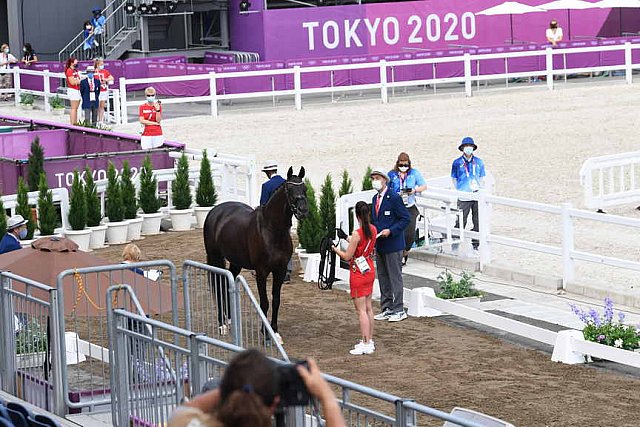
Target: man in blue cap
[(467, 174)]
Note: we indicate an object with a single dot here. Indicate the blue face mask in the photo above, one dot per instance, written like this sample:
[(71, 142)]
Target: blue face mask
[(468, 150), (90, 75), (151, 99), (22, 234)]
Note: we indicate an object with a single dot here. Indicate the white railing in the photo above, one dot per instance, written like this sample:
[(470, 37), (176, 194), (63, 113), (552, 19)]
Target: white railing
[(611, 180), (565, 217), (468, 78), (111, 115), (60, 195)]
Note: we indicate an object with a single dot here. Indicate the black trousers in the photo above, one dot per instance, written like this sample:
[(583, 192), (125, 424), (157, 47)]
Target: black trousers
[(465, 206), (410, 231)]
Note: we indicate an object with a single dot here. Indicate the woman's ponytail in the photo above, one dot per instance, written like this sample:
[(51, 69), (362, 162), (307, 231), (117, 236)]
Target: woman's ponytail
[(244, 409), (363, 212)]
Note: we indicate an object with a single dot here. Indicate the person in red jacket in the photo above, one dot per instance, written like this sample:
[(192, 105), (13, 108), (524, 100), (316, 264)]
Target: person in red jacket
[(150, 115), (73, 87)]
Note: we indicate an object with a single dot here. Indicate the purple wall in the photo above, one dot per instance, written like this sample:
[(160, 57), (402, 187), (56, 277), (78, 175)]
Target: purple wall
[(17, 145), (382, 28)]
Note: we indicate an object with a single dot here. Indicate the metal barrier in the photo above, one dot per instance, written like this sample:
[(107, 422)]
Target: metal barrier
[(225, 309), (82, 300), (146, 391), (29, 315), (611, 180)]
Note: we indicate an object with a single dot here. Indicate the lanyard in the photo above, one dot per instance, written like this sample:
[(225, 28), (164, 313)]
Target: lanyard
[(466, 166), (402, 180)]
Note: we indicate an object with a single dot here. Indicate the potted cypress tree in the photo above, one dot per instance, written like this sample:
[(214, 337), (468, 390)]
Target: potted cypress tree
[(310, 231), (47, 215), (36, 164), (206, 196), (94, 214), (367, 184), (77, 216), (149, 201), (182, 214), (327, 207), (3, 219), (130, 204), (23, 208), (346, 187), (117, 227)]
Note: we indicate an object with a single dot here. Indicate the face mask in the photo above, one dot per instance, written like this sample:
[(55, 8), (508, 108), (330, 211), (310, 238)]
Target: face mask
[(24, 49), (151, 98), (403, 168), (90, 75), (88, 27), (6, 50), (22, 233), (99, 67), (377, 184), (468, 150)]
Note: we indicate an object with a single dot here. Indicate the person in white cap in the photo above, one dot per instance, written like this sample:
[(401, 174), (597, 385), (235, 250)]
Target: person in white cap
[(271, 170), (390, 217), (16, 230), (90, 94)]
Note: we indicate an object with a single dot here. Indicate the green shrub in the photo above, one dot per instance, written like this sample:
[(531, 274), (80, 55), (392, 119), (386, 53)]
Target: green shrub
[(115, 210), (94, 216), (23, 208), (31, 339), (36, 164), (346, 185), (149, 201), (27, 99), (180, 186), (366, 180), (56, 102), (3, 219), (129, 202), (206, 193), (77, 204), (327, 208), (310, 231), (451, 288), (47, 215)]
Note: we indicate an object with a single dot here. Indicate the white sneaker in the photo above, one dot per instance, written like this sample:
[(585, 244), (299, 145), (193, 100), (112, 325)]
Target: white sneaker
[(383, 316), (362, 348), (397, 317)]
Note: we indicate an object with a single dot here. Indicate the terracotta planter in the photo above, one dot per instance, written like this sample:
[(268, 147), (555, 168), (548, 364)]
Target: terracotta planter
[(151, 223), (201, 215), (98, 236), (81, 237), (135, 228), (181, 219), (117, 232)]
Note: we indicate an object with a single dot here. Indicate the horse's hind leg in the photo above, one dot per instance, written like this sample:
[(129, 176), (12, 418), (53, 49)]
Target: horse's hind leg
[(278, 278), (261, 281), (220, 288)]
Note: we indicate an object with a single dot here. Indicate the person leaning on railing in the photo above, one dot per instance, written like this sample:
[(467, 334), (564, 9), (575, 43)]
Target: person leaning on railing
[(248, 397), (6, 79)]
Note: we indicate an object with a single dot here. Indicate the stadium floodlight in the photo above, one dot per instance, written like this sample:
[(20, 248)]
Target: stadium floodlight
[(245, 5), (130, 8), (154, 8), (171, 7), (143, 8)]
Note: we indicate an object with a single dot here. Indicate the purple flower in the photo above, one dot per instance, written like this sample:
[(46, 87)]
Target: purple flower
[(620, 317), (608, 310), (601, 337), (582, 315), (595, 317)]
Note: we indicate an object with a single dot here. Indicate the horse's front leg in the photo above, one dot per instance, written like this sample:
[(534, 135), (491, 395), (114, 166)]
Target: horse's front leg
[(261, 281), (278, 278)]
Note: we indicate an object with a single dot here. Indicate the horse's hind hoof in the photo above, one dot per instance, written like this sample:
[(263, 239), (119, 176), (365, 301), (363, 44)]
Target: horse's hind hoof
[(279, 339), (224, 330)]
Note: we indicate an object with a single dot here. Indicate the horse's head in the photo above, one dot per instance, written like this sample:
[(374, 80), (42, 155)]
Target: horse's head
[(297, 194)]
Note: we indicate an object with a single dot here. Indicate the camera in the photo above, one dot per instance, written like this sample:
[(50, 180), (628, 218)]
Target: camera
[(291, 388), (407, 190)]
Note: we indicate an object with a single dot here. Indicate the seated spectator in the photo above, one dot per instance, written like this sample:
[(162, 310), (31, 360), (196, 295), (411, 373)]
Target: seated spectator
[(132, 253), (247, 396)]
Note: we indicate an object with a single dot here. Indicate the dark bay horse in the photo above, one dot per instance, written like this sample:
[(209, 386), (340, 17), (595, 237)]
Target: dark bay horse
[(257, 239)]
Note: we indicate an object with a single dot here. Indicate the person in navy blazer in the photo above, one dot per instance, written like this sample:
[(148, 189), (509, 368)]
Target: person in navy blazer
[(90, 93), (390, 217), (16, 230)]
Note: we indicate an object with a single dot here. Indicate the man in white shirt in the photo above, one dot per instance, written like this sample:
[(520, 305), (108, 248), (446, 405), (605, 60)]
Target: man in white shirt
[(554, 33), (6, 79)]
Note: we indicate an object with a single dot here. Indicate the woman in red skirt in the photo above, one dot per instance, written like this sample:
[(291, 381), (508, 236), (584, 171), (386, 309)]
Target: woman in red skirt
[(362, 242)]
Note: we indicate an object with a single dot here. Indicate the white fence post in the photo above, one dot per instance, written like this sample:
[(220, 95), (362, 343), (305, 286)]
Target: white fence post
[(213, 92), (297, 86), (47, 91), (467, 74), (484, 217), (628, 63), (549, 61), (117, 113), (568, 268), (384, 94), (123, 99), (16, 84)]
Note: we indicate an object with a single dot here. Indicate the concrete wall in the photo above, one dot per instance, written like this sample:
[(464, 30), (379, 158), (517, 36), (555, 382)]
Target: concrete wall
[(47, 25)]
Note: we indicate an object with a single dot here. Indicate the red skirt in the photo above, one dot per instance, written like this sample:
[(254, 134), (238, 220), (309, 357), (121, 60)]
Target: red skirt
[(361, 284)]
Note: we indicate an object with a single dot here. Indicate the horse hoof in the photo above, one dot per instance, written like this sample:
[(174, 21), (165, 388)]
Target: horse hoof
[(224, 330), (279, 339)]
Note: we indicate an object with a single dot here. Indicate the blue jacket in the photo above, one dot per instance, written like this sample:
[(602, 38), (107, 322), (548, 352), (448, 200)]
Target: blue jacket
[(392, 215), (269, 187), (85, 93), (9, 243)]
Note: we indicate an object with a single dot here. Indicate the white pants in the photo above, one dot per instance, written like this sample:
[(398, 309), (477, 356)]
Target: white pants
[(148, 142), (74, 94)]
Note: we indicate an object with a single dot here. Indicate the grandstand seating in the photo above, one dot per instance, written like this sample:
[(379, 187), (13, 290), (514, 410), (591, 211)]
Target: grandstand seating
[(13, 414)]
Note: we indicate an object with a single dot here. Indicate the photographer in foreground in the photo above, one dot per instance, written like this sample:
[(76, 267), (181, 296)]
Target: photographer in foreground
[(249, 395)]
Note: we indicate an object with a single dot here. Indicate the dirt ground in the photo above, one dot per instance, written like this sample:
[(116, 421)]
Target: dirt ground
[(428, 360)]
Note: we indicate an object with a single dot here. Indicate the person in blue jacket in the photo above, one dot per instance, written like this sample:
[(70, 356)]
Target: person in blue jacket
[(16, 230), (390, 217), (271, 169), (90, 94)]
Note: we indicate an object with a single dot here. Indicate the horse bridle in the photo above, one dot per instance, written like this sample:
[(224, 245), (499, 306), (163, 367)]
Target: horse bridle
[(292, 206)]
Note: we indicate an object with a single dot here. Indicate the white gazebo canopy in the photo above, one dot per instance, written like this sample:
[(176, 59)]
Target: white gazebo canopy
[(512, 8)]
